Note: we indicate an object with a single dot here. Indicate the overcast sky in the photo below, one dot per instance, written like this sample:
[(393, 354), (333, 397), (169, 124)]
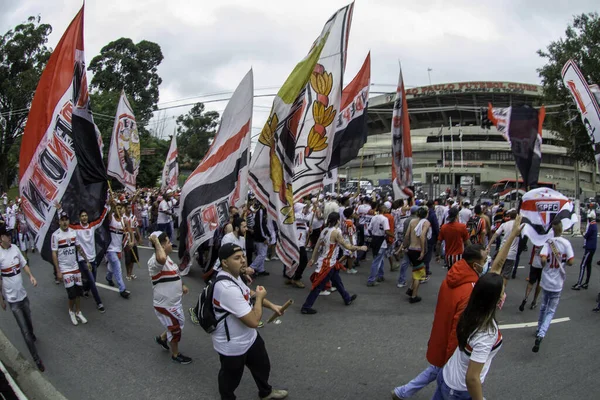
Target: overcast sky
[(209, 45)]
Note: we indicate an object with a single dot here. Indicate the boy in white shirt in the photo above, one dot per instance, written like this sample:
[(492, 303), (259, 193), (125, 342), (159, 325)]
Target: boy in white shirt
[(12, 263), (554, 255), (168, 290)]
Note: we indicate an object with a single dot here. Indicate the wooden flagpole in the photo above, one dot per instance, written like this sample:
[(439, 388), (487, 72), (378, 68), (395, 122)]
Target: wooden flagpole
[(121, 220)]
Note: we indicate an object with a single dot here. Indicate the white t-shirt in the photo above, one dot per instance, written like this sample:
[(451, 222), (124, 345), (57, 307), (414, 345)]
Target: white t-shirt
[(234, 298), (11, 217), (65, 244), (377, 227), (302, 223), (163, 218), (116, 235), (464, 215), (552, 278), (166, 283), (481, 348), (11, 264), (505, 229), (362, 211), (144, 212)]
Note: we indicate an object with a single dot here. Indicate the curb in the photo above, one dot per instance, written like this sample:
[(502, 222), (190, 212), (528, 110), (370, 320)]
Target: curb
[(28, 378)]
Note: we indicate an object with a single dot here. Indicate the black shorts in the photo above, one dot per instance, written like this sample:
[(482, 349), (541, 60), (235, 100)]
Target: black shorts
[(129, 251), (535, 274), (74, 291)]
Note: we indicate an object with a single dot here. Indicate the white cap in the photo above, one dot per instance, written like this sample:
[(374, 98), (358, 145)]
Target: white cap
[(155, 233), (388, 205), (298, 207)]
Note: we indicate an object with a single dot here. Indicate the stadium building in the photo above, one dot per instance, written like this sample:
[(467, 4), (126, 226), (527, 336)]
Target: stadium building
[(451, 150)]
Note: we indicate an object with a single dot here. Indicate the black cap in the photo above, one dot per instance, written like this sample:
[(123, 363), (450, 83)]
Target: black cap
[(63, 214), (228, 249), (3, 230)]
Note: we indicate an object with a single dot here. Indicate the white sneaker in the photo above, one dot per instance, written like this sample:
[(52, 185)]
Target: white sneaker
[(323, 293), (81, 317), (333, 289), (73, 317), (274, 258), (401, 285), (353, 271), (267, 259)]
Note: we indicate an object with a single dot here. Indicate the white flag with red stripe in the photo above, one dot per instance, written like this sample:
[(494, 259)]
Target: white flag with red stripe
[(221, 179), (170, 173), (540, 207)]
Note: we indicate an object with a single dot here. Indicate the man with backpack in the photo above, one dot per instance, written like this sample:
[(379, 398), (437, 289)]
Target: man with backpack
[(477, 227), (231, 312), (168, 290)]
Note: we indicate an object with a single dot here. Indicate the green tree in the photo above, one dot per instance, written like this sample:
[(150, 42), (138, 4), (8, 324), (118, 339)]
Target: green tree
[(123, 65), (23, 56), (582, 44), (195, 130)]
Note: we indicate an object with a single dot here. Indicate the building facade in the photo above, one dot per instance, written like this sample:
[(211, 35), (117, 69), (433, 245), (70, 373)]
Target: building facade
[(451, 150)]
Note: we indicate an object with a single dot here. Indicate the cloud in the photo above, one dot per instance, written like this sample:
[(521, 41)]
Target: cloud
[(209, 45)]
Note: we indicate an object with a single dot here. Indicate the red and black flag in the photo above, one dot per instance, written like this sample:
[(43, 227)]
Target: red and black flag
[(351, 123), (522, 127), (61, 157)]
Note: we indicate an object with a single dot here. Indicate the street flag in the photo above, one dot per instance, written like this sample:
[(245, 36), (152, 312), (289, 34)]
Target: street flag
[(61, 157), (351, 122), (587, 99), (522, 127), (272, 164), (321, 108), (124, 151), (539, 208), (401, 146), (170, 173), (220, 180)]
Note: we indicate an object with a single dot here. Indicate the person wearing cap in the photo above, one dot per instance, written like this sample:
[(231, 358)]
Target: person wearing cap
[(591, 243), (303, 217), (65, 245), (116, 228), (86, 235), (12, 263), (168, 290), (236, 339)]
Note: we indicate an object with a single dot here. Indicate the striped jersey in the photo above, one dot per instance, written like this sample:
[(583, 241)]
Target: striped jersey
[(116, 235), (65, 244), (11, 263), (166, 283), (329, 251)]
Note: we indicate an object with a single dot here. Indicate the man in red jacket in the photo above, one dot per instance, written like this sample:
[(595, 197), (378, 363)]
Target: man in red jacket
[(452, 299)]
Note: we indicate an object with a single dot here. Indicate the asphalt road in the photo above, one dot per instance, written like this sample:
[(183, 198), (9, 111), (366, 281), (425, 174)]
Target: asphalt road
[(356, 352)]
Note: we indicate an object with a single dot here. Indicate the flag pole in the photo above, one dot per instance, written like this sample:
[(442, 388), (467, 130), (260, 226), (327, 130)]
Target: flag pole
[(451, 142), (362, 157), (121, 220)]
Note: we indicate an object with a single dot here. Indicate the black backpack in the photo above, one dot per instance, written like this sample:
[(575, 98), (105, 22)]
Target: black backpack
[(206, 311)]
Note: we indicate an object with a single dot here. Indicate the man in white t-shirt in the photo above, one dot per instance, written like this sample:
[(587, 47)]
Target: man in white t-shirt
[(554, 255), (65, 246), (11, 220), (465, 214), (379, 229), (115, 248), (505, 229), (165, 214), (12, 263), (235, 339), (168, 290)]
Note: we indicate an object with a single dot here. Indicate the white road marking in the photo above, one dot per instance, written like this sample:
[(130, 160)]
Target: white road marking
[(531, 324), (520, 267), (102, 285)]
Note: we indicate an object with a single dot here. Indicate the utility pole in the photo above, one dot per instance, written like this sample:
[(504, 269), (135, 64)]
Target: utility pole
[(429, 74)]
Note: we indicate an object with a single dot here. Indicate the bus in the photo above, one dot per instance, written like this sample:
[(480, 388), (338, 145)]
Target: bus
[(506, 190)]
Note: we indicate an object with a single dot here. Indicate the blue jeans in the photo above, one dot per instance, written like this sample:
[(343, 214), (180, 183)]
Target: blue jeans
[(377, 266), (423, 379), (336, 282), (403, 267), (91, 279), (547, 310), (428, 256), (114, 269), (261, 254), (444, 392)]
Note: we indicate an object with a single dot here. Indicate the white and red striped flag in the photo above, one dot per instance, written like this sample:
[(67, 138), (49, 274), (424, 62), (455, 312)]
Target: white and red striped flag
[(170, 173), (402, 176)]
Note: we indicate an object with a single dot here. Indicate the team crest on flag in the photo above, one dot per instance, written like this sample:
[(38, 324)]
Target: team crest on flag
[(540, 207), (124, 152), (170, 173)]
